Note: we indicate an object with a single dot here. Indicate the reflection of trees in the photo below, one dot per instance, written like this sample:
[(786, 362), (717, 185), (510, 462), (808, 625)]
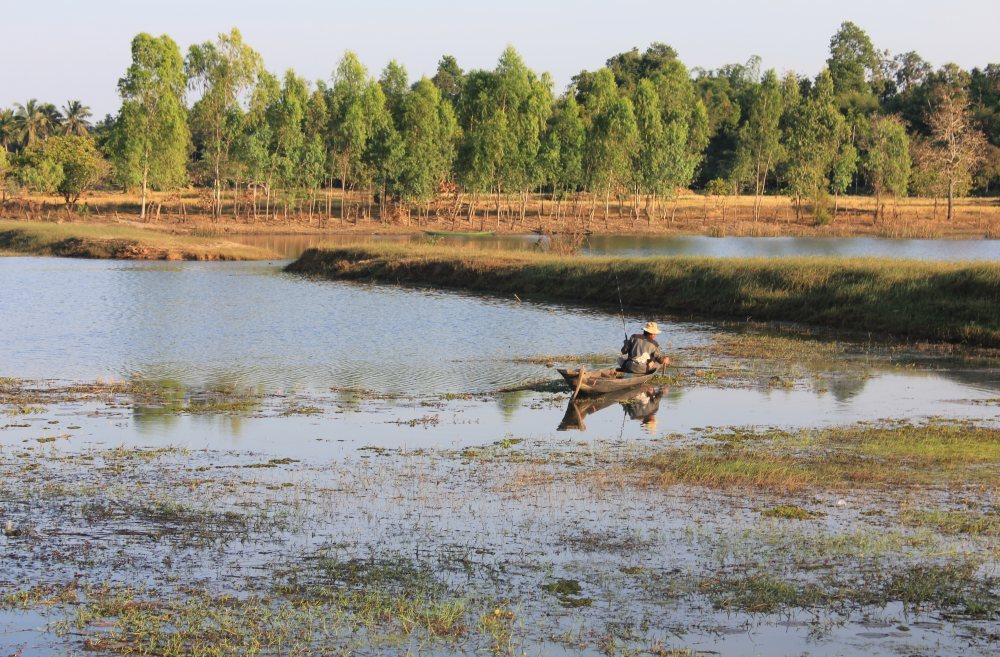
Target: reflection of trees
[(159, 404), (844, 388), (509, 402)]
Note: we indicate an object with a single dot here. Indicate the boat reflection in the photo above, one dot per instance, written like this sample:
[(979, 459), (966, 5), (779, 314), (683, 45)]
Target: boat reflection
[(640, 404)]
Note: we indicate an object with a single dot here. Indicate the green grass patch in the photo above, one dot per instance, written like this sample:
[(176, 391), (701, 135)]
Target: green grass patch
[(951, 302), (860, 455)]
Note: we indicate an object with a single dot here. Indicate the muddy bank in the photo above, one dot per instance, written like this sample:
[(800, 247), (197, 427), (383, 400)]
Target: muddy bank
[(119, 242), (955, 302)]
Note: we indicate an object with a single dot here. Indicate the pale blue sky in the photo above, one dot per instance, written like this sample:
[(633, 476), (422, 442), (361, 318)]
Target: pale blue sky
[(64, 49)]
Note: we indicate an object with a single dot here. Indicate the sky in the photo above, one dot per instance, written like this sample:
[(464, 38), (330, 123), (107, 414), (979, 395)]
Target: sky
[(74, 49)]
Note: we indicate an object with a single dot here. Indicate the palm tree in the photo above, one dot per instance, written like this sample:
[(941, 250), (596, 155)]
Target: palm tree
[(34, 121), (8, 129), (75, 120)]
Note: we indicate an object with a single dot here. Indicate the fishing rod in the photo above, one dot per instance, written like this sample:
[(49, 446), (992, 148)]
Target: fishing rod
[(621, 305)]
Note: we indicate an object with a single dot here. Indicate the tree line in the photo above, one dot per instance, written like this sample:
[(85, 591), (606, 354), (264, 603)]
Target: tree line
[(631, 135)]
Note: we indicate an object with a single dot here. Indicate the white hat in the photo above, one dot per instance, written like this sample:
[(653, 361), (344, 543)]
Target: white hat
[(651, 328)]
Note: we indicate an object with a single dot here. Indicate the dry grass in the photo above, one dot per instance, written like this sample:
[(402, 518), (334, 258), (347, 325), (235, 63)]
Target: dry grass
[(688, 213)]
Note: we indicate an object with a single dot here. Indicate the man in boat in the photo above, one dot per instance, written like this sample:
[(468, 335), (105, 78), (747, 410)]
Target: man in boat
[(641, 353)]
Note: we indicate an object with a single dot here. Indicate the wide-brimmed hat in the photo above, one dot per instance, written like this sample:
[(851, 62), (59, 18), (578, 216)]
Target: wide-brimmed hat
[(651, 328)]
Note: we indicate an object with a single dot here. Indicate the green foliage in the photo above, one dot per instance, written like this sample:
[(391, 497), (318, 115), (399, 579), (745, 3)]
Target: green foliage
[(222, 72), (887, 157), (150, 140), (39, 175), (82, 165)]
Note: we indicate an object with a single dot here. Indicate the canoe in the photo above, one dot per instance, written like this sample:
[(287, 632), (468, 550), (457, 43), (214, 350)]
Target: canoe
[(449, 233), (602, 382)]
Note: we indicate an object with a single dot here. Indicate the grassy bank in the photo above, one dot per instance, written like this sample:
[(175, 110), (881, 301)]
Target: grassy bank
[(77, 240), (950, 302)]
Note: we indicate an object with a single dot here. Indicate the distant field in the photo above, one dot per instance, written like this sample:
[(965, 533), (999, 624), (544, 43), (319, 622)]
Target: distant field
[(689, 213)]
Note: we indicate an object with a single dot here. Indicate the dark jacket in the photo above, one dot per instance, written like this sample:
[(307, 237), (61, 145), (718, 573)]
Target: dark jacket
[(639, 350)]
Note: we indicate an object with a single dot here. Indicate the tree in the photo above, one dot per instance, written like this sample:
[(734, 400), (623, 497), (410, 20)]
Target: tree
[(448, 78), (9, 133), (425, 163), (349, 121), (222, 72), (395, 84), (759, 149), (812, 140), (957, 146), (887, 158), (150, 141), (561, 152), (652, 156), (384, 149), (610, 139), (35, 121), (854, 64), (81, 163), (75, 115)]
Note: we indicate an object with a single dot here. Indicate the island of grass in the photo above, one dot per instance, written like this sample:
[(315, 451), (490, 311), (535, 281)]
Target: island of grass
[(125, 242), (947, 302)]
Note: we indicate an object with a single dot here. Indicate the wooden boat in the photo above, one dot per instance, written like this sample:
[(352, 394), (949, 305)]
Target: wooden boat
[(450, 233), (602, 382)]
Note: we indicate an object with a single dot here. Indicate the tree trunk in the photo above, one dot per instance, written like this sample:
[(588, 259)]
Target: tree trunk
[(951, 195)]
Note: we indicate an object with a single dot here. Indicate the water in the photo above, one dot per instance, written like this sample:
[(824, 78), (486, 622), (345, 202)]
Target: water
[(300, 342), (253, 327), (291, 246)]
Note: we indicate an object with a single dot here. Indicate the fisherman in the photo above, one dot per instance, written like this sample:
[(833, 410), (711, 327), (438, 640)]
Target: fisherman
[(641, 354)]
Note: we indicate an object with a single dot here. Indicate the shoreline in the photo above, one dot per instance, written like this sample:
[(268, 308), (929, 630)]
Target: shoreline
[(123, 242)]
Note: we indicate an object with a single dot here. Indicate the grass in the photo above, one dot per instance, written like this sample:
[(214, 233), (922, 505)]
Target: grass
[(948, 302), (954, 522), (94, 240), (854, 456)]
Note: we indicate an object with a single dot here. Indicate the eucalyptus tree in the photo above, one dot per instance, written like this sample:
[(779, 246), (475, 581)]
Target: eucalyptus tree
[(887, 158), (759, 149), (812, 140), (561, 152), (424, 130), (286, 118), (384, 150), (349, 123), (526, 102), (484, 128), (611, 139), (150, 140), (652, 157), (395, 84), (222, 73), (75, 115)]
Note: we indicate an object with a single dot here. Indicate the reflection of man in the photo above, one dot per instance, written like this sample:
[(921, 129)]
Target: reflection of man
[(643, 407), (641, 353)]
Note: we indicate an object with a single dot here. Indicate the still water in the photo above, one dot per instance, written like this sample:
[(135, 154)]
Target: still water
[(291, 246), (253, 327)]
